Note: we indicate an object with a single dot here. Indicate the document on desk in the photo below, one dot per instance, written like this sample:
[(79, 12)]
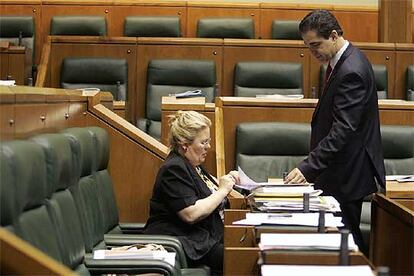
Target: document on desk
[(400, 178), (304, 241), (316, 270), (249, 184), (294, 219), (326, 203)]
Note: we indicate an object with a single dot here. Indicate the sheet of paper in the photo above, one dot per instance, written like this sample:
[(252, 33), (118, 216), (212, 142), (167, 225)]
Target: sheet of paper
[(300, 219), (249, 184), (169, 257), (308, 241), (400, 178), (316, 270)]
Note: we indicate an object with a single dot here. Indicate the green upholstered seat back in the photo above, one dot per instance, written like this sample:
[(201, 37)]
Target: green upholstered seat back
[(152, 26), (286, 29), (33, 224), (398, 149), (9, 206), (264, 78), (168, 76), (78, 25), (267, 149), (107, 74), (410, 83), (225, 28), (381, 80), (12, 26), (107, 201), (60, 166), (85, 192)]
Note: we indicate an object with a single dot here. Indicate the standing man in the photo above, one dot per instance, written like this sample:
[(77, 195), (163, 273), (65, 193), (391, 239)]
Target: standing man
[(345, 158)]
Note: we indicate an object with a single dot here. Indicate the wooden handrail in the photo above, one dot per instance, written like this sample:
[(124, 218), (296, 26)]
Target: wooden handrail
[(21, 258)]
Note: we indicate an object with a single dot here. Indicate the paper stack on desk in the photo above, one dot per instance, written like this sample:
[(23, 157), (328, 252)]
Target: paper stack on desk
[(294, 219), (325, 203), (308, 241), (169, 257), (316, 270)]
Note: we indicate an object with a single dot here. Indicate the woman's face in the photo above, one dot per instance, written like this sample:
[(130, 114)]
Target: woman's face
[(197, 151)]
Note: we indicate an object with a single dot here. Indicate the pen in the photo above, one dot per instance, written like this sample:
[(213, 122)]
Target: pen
[(279, 216)]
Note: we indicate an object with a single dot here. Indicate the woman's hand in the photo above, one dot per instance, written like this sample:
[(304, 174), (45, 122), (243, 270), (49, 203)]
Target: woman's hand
[(226, 183), (235, 175)]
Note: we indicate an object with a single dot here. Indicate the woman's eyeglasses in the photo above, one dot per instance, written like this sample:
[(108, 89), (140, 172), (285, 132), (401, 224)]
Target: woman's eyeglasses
[(206, 142)]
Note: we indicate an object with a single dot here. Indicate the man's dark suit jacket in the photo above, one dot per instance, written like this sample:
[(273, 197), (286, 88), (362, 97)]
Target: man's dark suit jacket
[(177, 186), (345, 147)]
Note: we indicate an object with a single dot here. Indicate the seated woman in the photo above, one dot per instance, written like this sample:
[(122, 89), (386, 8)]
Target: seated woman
[(186, 201)]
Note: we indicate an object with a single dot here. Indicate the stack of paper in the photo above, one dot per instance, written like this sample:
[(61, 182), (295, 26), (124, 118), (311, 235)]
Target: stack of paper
[(325, 203), (311, 241), (400, 178), (316, 270), (297, 219), (168, 257), (249, 184), (285, 191), (281, 96)]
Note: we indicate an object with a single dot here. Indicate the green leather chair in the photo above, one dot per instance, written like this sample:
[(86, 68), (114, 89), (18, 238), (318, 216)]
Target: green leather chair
[(166, 77), (225, 28), (410, 83), (19, 30), (152, 26), (286, 29), (78, 25), (92, 196), (398, 150), (264, 78), (267, 149), (107, 74), (29, 177), (381, 79)]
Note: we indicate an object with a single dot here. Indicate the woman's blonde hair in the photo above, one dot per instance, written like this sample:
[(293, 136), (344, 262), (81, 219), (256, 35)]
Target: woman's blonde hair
[(184, 127)]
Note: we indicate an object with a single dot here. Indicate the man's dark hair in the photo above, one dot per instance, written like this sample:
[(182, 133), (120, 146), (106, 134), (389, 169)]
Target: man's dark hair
[(322, 22)]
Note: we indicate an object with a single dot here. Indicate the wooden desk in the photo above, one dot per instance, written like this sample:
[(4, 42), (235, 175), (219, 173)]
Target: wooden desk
[(119, 108), (392, 236), (243, 260), (16, 64), (403, 193)]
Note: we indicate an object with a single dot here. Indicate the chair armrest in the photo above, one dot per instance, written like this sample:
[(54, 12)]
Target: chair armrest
[(132, 228)]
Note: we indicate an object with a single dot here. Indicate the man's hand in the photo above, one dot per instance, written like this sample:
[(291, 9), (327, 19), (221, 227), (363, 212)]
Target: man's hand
[(295, 176)]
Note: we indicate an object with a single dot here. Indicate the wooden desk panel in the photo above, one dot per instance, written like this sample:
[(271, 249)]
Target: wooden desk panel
[(243, 260), (16, 62), (396, 190), (7, 122), (358, 24), (392, 235)]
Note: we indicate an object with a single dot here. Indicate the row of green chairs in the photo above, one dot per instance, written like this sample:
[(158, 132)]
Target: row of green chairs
[(165, 77), (56, 193), (147, 26)]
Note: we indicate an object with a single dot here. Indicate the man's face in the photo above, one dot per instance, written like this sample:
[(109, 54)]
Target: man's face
[(321, 48)]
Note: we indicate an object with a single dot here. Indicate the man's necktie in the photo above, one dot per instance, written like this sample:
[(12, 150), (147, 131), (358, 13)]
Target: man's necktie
[(328, 73)]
